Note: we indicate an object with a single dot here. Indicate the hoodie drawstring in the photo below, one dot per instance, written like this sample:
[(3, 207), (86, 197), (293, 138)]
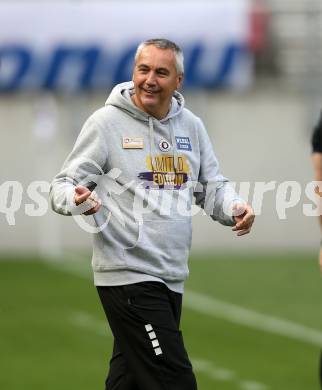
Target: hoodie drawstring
[(151, 139), (174, 145)]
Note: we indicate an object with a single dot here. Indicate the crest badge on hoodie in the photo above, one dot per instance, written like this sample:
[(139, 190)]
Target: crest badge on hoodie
[(164, 145)]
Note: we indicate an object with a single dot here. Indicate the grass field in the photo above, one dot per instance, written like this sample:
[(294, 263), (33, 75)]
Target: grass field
[(249, 324)]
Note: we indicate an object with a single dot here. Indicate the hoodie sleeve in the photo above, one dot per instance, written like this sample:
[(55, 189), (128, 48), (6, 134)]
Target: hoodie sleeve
[(213, 192), (84, 166)]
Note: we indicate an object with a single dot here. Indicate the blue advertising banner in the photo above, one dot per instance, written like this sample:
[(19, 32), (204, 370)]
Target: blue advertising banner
[(72, 46)]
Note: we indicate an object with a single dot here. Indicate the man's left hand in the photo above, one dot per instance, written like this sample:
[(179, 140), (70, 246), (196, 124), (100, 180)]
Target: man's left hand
[(244, 218)]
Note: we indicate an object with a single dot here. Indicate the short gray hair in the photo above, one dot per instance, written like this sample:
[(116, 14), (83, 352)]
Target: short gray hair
[(163, 43)]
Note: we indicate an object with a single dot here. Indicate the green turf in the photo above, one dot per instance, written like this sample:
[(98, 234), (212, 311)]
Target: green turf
[(53, 333)]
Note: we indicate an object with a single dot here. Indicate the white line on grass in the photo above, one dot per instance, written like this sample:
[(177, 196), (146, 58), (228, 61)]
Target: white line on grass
[(251, 385), (238, 315), (212, 371), (213, 307), (220, 374), (88, 322)]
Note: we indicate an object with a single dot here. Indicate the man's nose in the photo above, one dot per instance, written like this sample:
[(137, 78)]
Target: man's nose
[(151, 78)]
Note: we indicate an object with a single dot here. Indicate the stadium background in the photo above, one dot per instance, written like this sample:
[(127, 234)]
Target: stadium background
[(253, 311)]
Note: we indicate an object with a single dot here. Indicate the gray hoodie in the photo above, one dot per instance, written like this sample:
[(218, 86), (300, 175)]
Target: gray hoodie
[(147, 172)]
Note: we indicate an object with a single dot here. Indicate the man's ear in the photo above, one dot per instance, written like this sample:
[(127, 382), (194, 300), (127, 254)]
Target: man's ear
[(179, 81)]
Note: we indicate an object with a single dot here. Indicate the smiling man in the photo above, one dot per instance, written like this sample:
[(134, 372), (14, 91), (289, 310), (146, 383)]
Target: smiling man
[(164, 160)]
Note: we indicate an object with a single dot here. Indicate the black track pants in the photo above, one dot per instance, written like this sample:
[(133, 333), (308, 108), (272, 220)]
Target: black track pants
[(149, 352)]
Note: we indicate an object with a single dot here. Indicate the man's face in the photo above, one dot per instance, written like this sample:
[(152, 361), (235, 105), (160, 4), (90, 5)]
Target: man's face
[(155, 79)]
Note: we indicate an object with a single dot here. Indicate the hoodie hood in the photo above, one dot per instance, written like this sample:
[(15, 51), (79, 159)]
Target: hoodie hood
[(120, 97)]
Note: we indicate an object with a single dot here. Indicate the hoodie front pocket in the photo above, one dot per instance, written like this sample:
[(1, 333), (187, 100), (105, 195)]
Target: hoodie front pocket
[(162, 248)]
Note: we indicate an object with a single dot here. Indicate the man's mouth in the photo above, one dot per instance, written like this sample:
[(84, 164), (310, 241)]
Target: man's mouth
[(149, 91)]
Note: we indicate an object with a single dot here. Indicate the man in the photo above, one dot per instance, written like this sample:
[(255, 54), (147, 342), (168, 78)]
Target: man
[(317, 165), (149, 156)]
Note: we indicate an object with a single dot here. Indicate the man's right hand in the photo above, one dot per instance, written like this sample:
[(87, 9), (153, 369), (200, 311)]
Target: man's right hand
[(83, 194)]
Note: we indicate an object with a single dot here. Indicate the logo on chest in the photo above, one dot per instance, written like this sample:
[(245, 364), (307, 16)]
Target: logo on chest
[(164, 145), (163, 173), (183, 143)]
